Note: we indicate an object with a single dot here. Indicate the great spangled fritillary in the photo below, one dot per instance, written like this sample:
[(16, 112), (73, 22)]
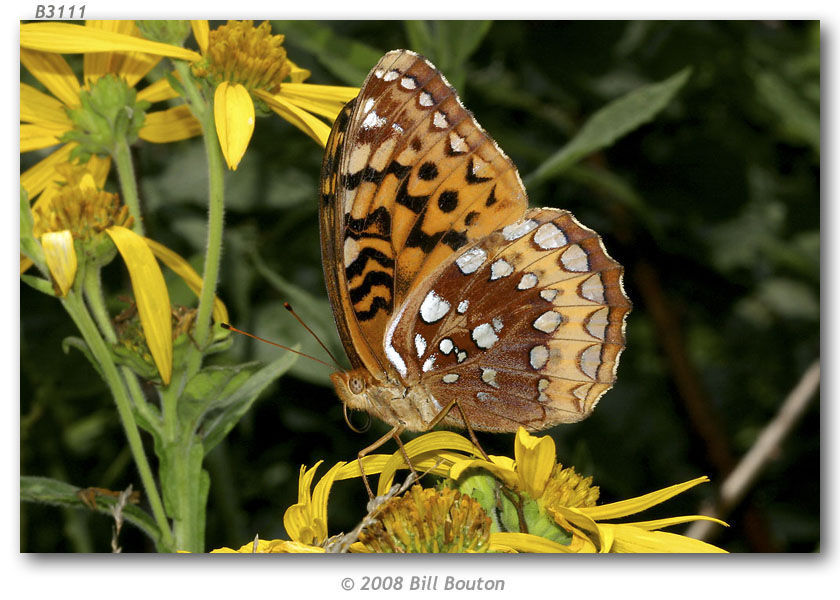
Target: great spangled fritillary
[(445, 289)]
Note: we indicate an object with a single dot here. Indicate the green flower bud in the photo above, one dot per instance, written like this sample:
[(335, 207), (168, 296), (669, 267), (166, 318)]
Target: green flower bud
[(109, 113), (168, 32)]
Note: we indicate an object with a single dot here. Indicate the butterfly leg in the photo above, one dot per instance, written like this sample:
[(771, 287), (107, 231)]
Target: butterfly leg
[(466, 421), (395, 434)]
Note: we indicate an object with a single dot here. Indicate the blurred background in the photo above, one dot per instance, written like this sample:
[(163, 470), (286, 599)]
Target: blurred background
[(713, 208)]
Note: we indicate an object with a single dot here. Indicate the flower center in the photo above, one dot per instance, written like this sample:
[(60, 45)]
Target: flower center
[(81, 208), (567, 488), (238, 52), (429, 520)]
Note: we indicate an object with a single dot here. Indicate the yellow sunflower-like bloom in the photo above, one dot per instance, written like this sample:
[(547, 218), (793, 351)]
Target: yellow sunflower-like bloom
[(570, 500), (110, 48), (462, 518), (246, 63)]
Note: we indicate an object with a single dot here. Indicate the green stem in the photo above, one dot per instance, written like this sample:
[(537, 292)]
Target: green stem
[(76, 308), (96, 303), (215, 216), (128, 183)]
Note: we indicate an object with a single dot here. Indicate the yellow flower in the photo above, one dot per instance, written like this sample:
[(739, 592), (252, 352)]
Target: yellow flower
[(570, 501), (306, 521), (109, 47), (80, 213), (246, 63)]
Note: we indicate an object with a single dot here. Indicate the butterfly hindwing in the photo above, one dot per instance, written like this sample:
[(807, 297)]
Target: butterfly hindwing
[(524, 328)]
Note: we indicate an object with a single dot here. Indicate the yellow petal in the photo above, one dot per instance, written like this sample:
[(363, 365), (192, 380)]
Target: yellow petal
[(184, 270), (320, 497), (503, 471), (151, 295), (170, 125), (41, 174), (662, 523), (54, 72), (297, 73), (38, 107), (131, 66), (305, 483), (201, 32), (535, 459), (66, 38), (25, 263), (505, 541), (636, 540), (158, 91), (297, 517), (296, 521), (234, 113), (325, 100), (581, 525), (623, 508), (310, 125), (428, 443), (60, 255), (97, 64), (36, 137), (373, 464)]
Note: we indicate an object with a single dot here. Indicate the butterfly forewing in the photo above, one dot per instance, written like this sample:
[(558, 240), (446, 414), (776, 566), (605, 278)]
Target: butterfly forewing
[(414, 179), (524, 327)]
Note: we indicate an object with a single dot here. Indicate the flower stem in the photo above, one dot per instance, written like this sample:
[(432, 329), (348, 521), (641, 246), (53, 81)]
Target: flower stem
[(128, 183), (215, 214), (76, 308), (96, 303)]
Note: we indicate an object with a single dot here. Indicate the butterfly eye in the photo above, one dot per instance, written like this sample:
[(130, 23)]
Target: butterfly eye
[(356, 385)]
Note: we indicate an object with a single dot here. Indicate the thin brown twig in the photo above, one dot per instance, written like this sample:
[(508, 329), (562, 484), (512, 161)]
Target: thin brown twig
[(745, 474), (117, 512)]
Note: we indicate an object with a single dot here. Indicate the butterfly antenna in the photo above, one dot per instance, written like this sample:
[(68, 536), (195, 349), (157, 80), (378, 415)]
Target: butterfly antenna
[(230, 327), (288, 307)]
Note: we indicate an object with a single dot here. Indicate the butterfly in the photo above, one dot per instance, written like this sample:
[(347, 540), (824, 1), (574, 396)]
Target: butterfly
[(455, 302)]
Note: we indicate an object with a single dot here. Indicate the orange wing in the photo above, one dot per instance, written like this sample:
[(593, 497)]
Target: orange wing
[(408, 179)]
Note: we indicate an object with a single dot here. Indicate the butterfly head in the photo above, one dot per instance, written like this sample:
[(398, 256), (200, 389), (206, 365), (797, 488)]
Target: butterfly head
[(352, 387)]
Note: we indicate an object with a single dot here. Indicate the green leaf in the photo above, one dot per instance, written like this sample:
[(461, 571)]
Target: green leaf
[(218, 423), (420, 39), (29, 246), (448, 44), (275, 323), (349, 60), (616, 119), (39, 283), (464, 36), (43, 490), (211, 389), (80, 345), (795, 117)]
